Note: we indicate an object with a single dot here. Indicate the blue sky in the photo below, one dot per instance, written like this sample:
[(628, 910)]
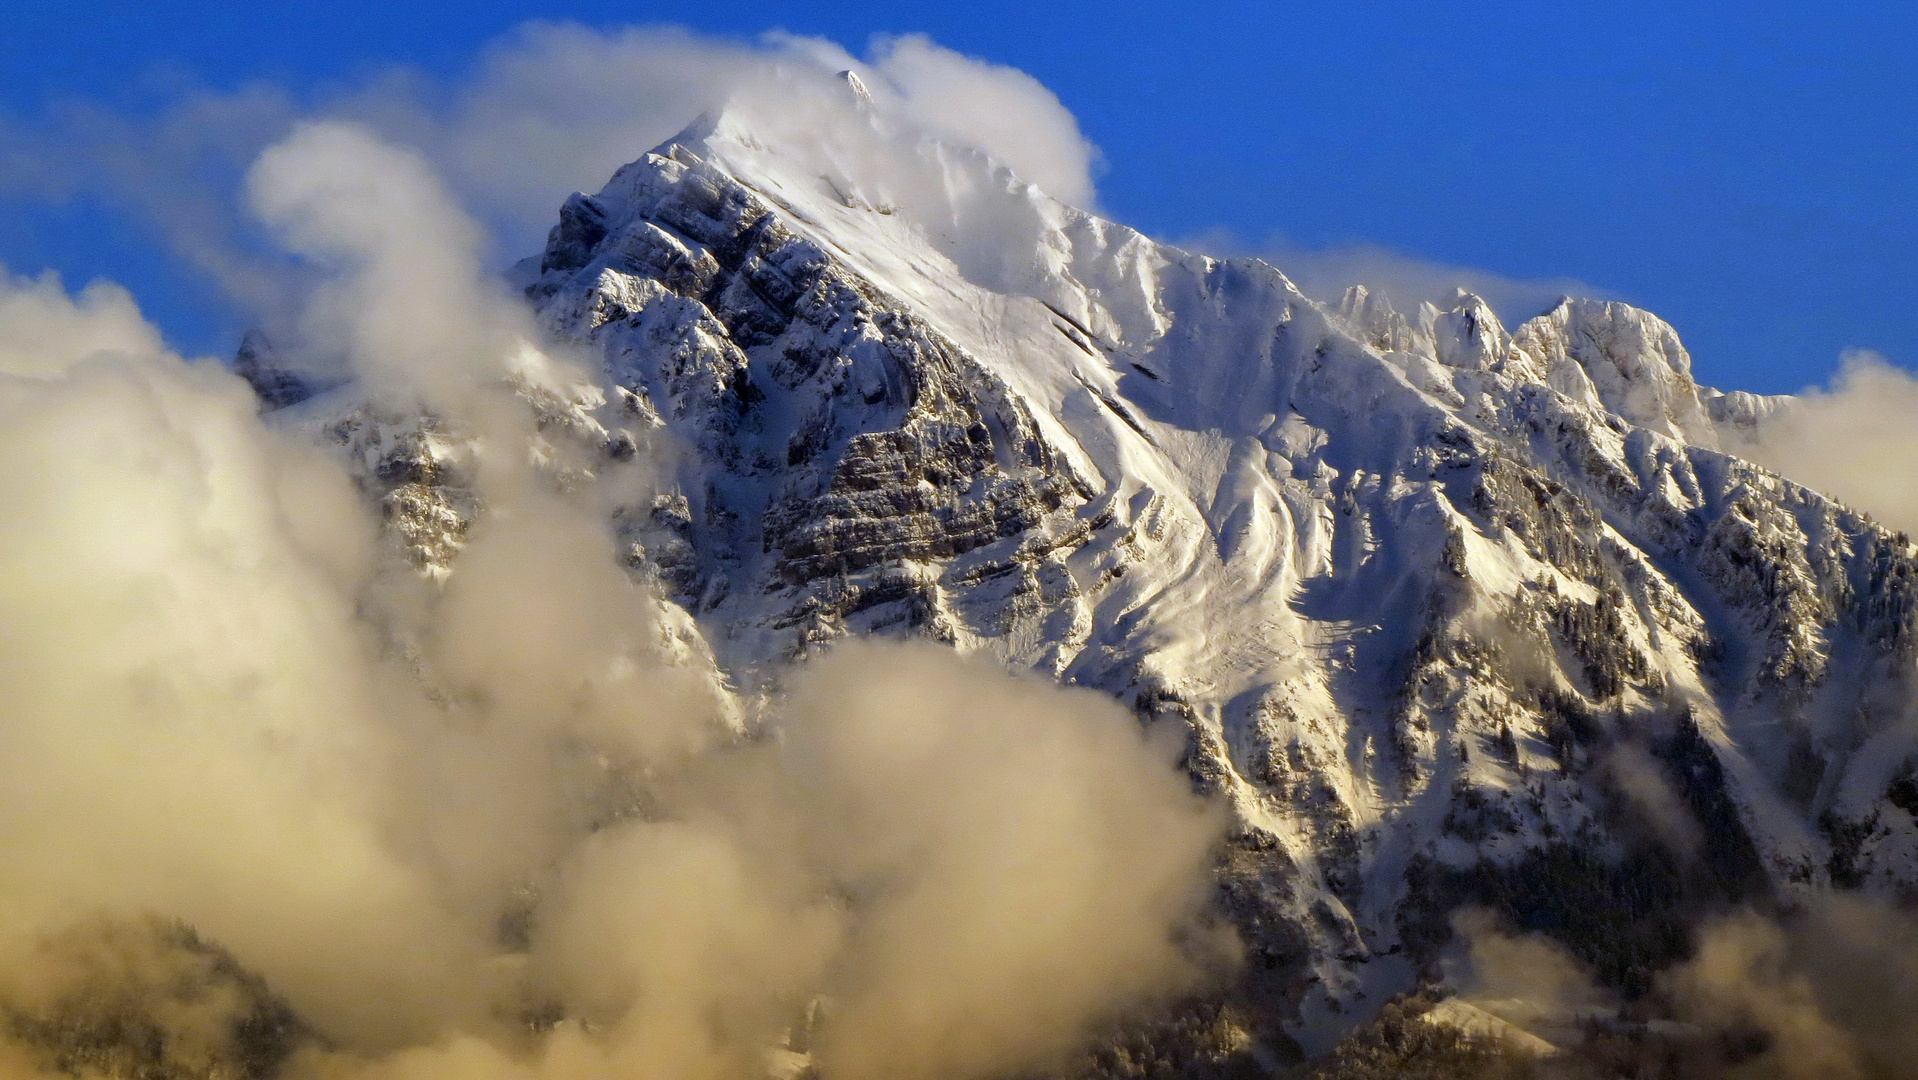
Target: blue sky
[(1748, 171)]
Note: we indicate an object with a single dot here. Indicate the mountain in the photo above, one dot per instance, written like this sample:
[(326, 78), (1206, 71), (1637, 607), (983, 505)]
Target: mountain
[(1451, 613)]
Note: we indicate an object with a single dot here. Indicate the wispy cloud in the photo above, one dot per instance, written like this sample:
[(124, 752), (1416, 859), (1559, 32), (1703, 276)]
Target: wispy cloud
[(1324, 273)]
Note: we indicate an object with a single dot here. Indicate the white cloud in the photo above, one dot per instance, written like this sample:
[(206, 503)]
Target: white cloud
[(1002, 110), (44, 332), (554, 107), (1856, 440)]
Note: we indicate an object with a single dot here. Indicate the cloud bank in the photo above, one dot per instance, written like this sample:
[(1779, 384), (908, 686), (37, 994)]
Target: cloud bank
[(512, 824)]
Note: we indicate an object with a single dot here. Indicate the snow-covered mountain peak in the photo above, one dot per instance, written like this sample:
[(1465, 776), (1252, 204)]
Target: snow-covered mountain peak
[(1468, 335), (1606, 355), (1623, 359), (911, 210), (1411, 584)]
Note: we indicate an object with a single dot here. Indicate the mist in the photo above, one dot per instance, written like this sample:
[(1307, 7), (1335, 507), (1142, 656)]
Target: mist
[(512, 822), (1853, 440), (1820, 988)]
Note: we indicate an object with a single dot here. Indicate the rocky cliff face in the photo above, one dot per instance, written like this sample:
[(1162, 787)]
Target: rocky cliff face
[(1451, 614)]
